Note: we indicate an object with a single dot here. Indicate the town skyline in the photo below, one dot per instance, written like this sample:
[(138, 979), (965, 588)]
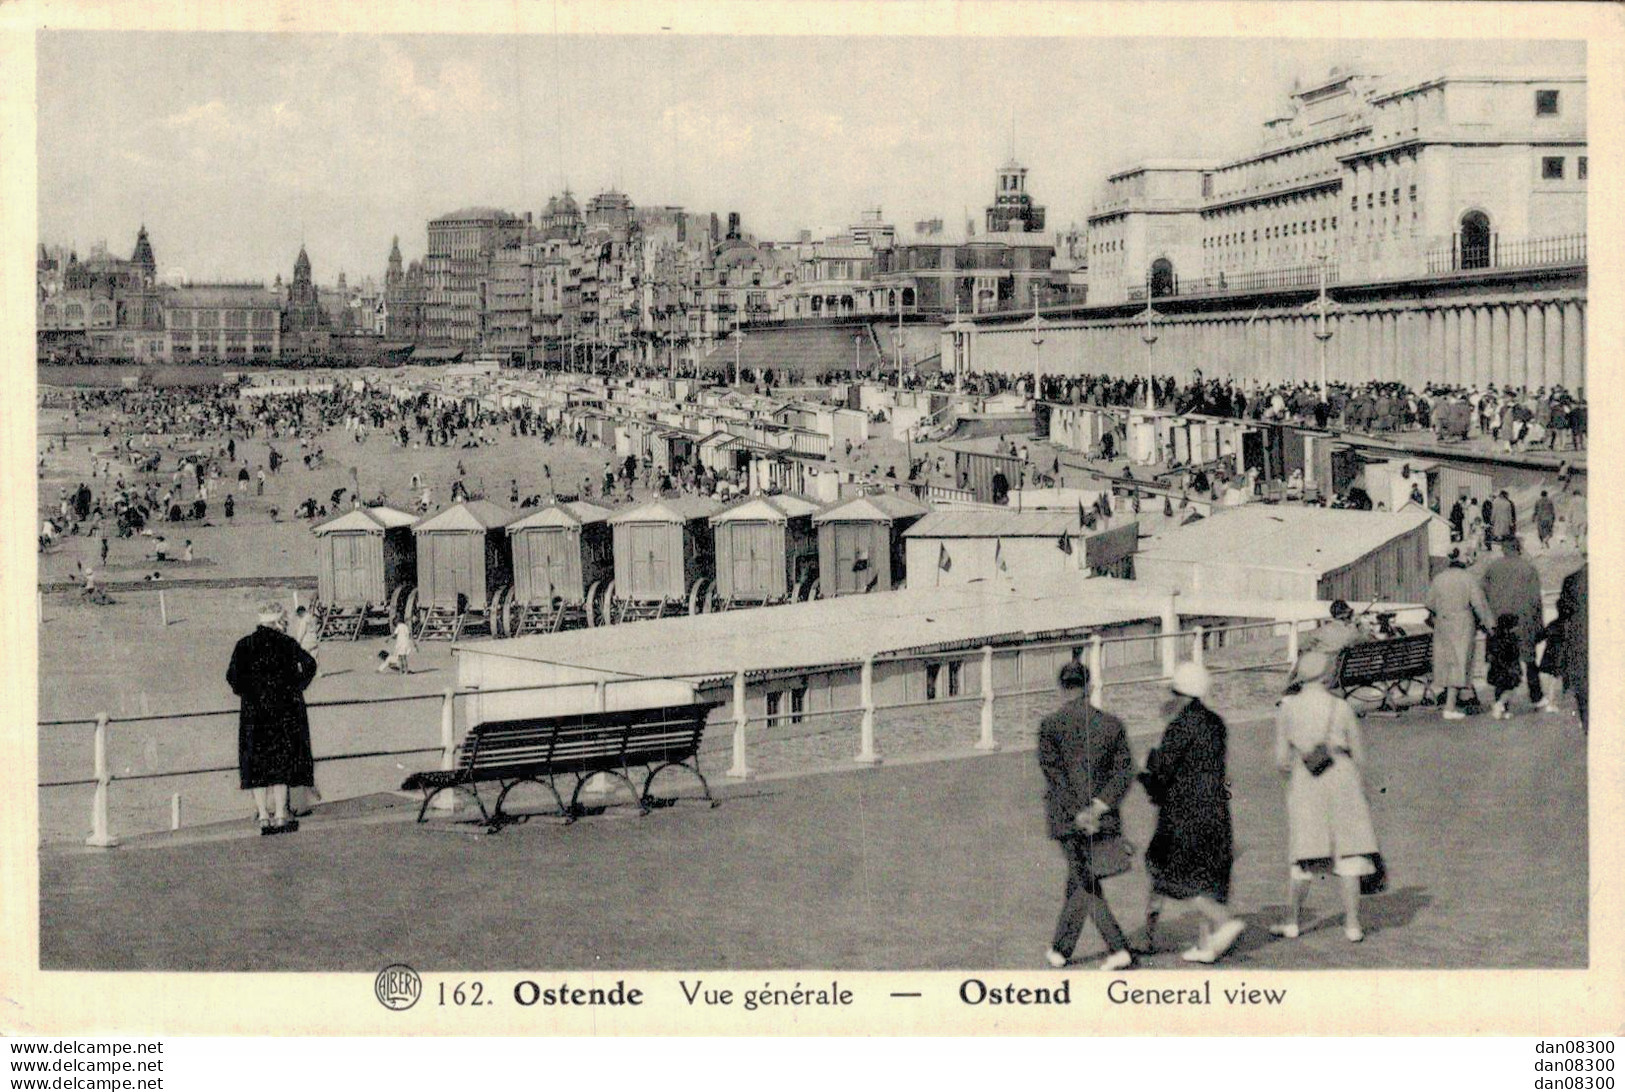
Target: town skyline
[(235, 150)]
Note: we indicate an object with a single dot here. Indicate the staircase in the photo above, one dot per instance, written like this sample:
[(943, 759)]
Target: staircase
[(441, 624), (639, 611), (343, 623)]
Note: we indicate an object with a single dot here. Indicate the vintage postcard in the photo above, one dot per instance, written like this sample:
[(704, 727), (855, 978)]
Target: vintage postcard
[(814, 518)]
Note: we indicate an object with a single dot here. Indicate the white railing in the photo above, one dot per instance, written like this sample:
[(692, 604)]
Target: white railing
[(1167, 649)]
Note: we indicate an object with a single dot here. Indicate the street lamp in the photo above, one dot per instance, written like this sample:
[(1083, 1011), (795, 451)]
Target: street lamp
[(1037, 325), (1324, 333), (738, 338), (857, 355), (1149, 336), (899, 338)]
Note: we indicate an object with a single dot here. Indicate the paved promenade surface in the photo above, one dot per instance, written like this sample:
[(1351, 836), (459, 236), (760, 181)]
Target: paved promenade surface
[(920, 866)]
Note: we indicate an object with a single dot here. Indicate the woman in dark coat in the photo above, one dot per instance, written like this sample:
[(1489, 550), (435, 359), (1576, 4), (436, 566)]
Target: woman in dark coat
[(270, 672), (1191, 852)]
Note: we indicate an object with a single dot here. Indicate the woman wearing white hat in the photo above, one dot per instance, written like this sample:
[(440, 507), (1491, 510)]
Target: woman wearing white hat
[(1319, 748), (1191, 852)]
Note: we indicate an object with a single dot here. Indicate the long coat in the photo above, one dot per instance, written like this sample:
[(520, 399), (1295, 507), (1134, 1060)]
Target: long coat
[(1574, 634), (1192, 850), (1458, 607), (1327, 816), (1085, 757), (1512, 586), (270, 672)]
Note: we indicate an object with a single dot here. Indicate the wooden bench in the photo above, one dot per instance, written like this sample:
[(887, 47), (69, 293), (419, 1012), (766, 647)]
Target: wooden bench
[(1380, 670), (538, 750)]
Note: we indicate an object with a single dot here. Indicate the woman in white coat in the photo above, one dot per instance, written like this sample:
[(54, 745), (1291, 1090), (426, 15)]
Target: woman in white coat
[(1319, 749)]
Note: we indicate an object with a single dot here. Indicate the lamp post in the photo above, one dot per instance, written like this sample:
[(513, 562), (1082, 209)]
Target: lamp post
[(738, 338), (1038, 349), (857, 355), (1323, 333), (899, 338), (1149, 336)]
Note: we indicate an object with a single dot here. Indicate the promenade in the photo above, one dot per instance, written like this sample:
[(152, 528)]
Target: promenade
[(918, 865)]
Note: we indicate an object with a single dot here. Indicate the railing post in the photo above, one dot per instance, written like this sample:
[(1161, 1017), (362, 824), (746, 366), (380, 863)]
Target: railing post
[(1170, 634), (866, 740), (1292, 643), (1196, 646), (447, 801), (740, 767), (100, 836), (1097, 672), (986, 742)]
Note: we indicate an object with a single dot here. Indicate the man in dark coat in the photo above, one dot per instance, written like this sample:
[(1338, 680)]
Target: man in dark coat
[(1512, 586), (1545, 519), (270, 672), (1574, 632), (1192, 850), (1087, 771)]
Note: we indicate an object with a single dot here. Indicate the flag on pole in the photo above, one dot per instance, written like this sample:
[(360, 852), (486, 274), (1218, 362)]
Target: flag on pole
[(1105, 505), (1065, 544), (998, 555), (1083, 517), (1088, 521), (944, 562)]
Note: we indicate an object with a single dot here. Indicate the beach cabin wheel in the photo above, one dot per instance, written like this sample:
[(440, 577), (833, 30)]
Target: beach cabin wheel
[(698, 596), (511, 613), (606, 606), (591, 609)]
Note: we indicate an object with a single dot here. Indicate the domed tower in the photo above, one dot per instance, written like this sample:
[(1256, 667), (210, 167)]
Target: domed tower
[(142, 259)]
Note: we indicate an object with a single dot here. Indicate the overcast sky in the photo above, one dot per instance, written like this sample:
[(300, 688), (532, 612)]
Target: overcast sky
[(234, 147)]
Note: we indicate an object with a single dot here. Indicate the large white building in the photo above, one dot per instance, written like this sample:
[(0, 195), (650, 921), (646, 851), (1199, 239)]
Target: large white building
[(1384, 182), (1446, 217)]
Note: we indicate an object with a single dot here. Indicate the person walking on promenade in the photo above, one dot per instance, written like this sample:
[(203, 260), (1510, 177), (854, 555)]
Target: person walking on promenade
[(1088, 769), (1503, 518), (1545, 520), (1511, 586), (1456, 608), (1572, 636), (270, 672), (1505, 667), (308, 633), (1318, 748), (1191, 852)]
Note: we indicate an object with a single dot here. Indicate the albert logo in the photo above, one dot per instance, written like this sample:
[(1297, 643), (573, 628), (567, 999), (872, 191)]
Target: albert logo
[(398, 987)]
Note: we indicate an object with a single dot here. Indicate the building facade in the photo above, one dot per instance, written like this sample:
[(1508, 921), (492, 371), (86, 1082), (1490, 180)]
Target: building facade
[(223, 322), (1446, 220), (457, 270)]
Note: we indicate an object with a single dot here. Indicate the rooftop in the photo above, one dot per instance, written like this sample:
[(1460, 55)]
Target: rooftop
[(369, 520), (567, 514), (874, 507), (994, 523), (474, 515), (1282, 537), (843, 630), (668, 510)]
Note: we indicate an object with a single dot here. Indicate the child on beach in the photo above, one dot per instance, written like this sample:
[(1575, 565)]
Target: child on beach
[(398, 656)]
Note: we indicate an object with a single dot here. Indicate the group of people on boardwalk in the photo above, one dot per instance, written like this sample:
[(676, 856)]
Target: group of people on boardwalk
[(1089, 770)]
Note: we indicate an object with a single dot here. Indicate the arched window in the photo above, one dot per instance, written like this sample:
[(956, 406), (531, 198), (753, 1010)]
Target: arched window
[(1475, 241), (1162, 277), (908, 297), (75, 312), (101, 313), (50, 314)]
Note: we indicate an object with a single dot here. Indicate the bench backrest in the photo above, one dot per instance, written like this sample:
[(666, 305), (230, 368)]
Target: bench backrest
[(587, 741), (1388, 660)]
